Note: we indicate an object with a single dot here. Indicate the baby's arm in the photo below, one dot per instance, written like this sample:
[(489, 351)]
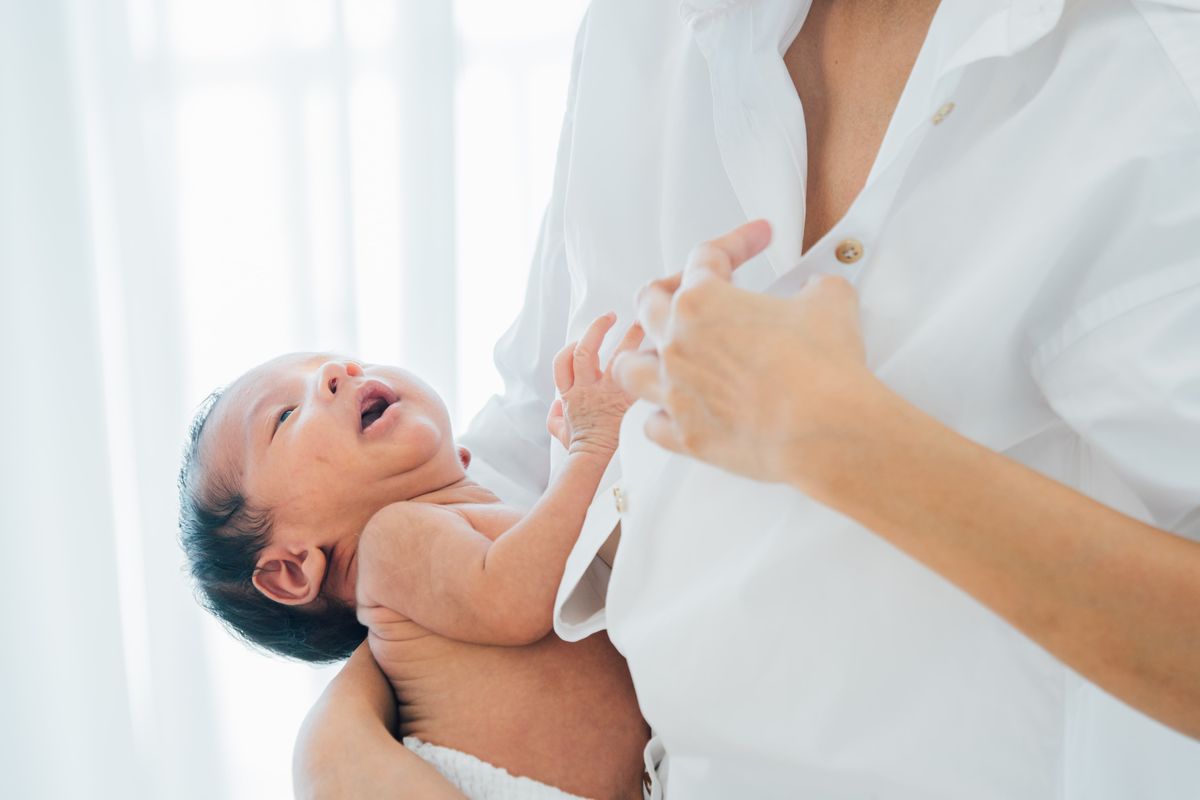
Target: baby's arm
[(429, 563)]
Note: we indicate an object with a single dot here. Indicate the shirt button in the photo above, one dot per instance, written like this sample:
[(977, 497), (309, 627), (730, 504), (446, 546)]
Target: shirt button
[(619, 499), (942, 113), (849, 250)]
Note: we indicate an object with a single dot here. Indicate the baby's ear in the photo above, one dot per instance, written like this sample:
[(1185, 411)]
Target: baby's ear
[(290, 577), (464, 455)]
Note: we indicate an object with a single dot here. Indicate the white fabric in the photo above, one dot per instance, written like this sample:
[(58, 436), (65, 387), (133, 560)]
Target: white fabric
[(67, 729), (479, 780), (1030, 278), (156, 239), (188, 188)]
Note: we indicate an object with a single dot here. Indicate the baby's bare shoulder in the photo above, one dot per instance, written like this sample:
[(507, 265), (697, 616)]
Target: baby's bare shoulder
[(403, 517), (398, 541), (404, 531)]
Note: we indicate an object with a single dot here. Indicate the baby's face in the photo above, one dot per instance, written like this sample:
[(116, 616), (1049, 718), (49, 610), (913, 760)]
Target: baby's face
[(324, 442)]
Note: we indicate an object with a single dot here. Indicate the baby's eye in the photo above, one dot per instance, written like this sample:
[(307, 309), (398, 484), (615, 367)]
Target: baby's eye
[(282, 417)]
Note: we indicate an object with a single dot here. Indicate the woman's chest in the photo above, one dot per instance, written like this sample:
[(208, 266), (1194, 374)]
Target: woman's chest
[(849, 81), (976, 239)]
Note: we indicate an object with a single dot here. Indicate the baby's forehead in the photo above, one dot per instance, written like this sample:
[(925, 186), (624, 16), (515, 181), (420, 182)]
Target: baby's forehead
[(277, 369), (230, 428)]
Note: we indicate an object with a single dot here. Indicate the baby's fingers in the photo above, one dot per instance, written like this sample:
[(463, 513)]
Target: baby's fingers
[(564, 375), (555, 422), (629, 343), (587, 353)]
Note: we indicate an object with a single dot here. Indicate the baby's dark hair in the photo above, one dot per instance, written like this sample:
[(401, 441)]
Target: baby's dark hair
[(223, 536)]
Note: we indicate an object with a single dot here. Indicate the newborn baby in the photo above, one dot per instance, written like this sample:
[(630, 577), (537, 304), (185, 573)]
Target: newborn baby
[(319, 496)]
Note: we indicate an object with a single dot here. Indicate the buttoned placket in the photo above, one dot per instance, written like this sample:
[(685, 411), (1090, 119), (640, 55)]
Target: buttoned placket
[(955, 104), (752, 97), (760, 126), (846, 249)]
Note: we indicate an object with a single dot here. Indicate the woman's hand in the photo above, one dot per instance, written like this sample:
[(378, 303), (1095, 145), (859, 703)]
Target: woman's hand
[(346, 751), (587, 414), (777, 389), (761, 386)]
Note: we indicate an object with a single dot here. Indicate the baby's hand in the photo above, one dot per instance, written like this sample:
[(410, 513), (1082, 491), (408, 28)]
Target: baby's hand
[(586, 417)]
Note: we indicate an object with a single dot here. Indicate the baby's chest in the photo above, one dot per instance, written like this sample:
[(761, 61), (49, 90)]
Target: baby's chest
[(448, 689), (408, 654)]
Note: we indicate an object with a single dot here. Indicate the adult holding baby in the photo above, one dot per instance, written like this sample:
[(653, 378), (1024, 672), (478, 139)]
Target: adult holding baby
[(907, 568)]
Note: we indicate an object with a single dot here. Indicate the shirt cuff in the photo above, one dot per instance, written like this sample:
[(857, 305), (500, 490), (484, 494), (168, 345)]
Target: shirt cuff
[(579, 606)]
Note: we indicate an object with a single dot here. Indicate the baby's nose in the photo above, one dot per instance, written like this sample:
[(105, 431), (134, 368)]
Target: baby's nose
[(332, 372)]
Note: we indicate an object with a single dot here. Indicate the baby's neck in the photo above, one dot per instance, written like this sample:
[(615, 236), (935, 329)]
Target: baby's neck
[(458, 493), (343, 566)]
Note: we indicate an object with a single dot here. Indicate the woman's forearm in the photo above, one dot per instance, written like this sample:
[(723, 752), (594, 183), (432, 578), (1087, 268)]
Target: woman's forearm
[(778, 389), (346, 751), (1113, 598)]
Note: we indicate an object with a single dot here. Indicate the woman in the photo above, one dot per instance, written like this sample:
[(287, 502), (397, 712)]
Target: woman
[(893, 582)]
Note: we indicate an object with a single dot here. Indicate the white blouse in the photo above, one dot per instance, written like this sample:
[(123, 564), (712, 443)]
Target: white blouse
[(1027, 252)]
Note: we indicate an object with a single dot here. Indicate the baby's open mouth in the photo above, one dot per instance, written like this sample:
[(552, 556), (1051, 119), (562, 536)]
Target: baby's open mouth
[(373, 399)]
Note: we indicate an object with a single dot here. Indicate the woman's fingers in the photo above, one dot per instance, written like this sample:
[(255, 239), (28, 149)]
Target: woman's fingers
[(653, 304), (668, 284), (638, 375), (555, 423), (629, 343), (661, 430), (564, 374), (715, 259), (718, 258), (654, 307), (586, 360), (829, 303)]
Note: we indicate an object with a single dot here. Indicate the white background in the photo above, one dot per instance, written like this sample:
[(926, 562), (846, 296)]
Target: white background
[(187, 188)]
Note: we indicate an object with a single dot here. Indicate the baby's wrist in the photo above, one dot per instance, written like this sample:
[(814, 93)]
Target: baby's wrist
[(599, 447)]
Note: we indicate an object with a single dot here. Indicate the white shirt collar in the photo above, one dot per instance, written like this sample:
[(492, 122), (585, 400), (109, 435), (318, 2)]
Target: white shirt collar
[(976, 29)]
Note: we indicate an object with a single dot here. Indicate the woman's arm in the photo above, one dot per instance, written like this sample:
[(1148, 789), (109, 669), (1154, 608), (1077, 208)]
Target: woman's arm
[(345, 749), (1115, 599)]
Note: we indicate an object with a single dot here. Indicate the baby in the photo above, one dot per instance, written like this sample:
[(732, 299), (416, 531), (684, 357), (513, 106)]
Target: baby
[(324, 501)]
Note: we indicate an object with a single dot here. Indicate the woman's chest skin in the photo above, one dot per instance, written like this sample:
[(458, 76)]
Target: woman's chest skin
[(849, 70)]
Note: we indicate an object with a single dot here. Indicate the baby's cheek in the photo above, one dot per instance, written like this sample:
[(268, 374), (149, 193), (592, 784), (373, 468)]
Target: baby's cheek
[(423, 437)]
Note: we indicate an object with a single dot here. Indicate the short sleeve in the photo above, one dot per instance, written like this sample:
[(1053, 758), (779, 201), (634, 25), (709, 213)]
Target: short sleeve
[(1124, 374)]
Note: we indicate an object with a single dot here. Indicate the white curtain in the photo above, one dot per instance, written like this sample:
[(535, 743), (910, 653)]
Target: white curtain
[(188, 188)]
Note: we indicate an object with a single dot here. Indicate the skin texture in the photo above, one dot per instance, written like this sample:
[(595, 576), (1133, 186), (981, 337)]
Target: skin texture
[(848, 99), (849, 64), (351, 754), (289, 434), (462, 568), (1113, 598), (458, 592), (456, 588)]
